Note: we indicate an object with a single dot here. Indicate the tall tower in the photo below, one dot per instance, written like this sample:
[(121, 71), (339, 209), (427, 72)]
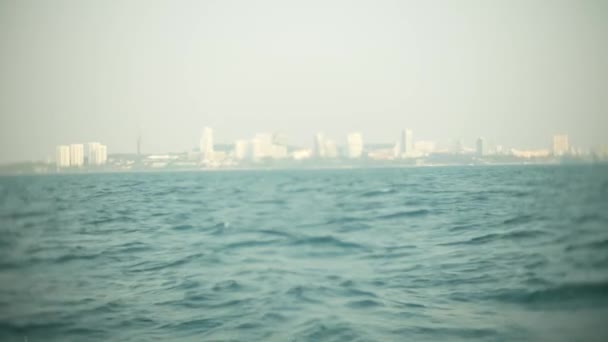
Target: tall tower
[(319, 145), (62, 157), (406, 143), (93, 153), (481, 148), (139, 144), (354, 145), (76, 154), (206, 144), (560, 144)]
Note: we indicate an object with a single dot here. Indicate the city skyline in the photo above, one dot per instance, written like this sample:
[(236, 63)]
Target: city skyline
[(103, 72), (263, 145), (272, 150)]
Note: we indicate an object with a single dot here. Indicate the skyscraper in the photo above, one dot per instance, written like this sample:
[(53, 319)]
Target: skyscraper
[(102, 155), (139, 144), (206, 144), (354, 145), (76, 155), (92, 152), (62, 156), (331, 149), (97, 153), (241, 149), (406, 147), (263, 146), (560, 144), (319, 150), (256, 149), (481, 147)]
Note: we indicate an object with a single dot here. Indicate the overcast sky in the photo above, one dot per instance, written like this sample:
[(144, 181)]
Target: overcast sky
[(515, 72)]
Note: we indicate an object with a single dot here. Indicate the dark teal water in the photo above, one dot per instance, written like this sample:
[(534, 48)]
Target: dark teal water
[(458, 253)]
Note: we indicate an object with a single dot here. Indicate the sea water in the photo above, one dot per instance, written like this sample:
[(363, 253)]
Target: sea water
[(446, 253)]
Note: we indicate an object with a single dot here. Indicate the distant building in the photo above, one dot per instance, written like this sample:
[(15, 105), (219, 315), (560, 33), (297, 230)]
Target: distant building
[(457, 147), (481, 147), (561, 145), (91, 152), (241, 149), (262, 146), (206, 144), (279, 139), (354, 145), (331, 149), (424, 147), (102, 155), (97, 153), (139, 145), (76, 155), (301, 154), (406, 147), (382, 154), (530, 153), (62, 156), (324, 148), (279, 151), (319, 146), (256, 149)]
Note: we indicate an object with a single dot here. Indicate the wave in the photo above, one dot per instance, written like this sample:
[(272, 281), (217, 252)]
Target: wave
[(443, 333), (23, 329), (515, 235), (317, 330), (381, 192), (520, 219), (326, 241), (344, 219), (405, 214), (251, 243), (364, 304), (131, 247), (175, 263), (192, 326), (601, 245), (588, 218), (183, 227), (227, 285), (17, 215), (593, 293)]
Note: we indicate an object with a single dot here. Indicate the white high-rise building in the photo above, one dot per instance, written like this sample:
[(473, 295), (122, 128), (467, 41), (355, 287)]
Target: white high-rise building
[(206, 144), (424, 147), (102, 155), (62, 156), (241, 149), (256, 149), (561, 145), (92, 148), (319, 150), (355, 145), (279, 151), (76, 155), (481, 147), (97, 153), (264, 146), (406, 147), (261, 146), (331, 149)]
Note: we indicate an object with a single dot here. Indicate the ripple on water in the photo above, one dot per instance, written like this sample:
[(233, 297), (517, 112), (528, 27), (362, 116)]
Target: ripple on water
[(436, 254)]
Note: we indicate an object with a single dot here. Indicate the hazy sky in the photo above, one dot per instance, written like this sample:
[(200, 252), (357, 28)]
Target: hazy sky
[(512, 71)]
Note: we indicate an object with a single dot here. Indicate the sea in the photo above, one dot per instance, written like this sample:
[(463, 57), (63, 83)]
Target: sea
[(488, 253)]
